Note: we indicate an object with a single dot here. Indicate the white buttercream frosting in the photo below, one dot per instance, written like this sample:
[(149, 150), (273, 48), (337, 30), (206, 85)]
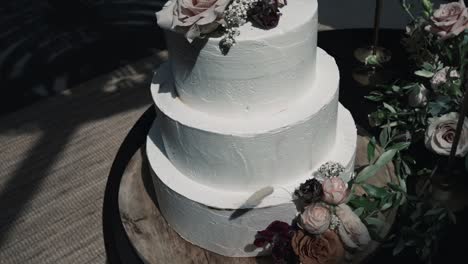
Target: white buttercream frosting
[(244, 130), (264, 73), (209, 217), (342, 151), (249, 153)]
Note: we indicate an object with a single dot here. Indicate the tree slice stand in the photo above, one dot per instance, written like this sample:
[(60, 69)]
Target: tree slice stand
[(155, 241)]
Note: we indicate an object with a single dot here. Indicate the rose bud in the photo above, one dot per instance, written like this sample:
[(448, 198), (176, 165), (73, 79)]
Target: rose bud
[(335, 191), (418, 97)]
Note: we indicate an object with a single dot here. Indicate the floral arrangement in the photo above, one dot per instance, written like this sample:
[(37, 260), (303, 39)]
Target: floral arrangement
[(201, 18), (327, 230), (423, 112)]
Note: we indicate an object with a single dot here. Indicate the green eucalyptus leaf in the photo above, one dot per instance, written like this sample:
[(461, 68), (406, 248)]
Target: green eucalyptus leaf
[(400, 146), (395, 187), (434, 211), (371, 170), (424, 73), (399, 247), (359, 211), (386, 206), (374, 191), (406, 168), (389, 108), (371, 150), (374, 98), (428, 67), (375, 222), (363, 202), (384, 136)]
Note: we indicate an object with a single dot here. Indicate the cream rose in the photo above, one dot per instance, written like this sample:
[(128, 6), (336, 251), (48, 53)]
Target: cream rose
[(449, 20), (352, 231), (441, 133), (315, 219), (335, 190), (192, 17)]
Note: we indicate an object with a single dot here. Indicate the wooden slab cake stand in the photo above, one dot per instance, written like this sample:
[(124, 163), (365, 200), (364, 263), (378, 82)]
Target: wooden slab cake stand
[(155, 242)]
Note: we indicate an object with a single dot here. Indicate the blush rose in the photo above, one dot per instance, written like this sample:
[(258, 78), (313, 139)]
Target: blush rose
[(335, 190), (449, 20), (315, 219), (192, 17)]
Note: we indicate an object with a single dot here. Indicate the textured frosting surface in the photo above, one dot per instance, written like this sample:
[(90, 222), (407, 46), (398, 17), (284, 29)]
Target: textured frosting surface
[(248, 154), (264, 73), (226, 232), (342, 151)]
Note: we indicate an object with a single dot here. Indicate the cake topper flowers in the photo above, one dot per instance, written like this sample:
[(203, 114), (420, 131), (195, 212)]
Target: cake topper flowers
[(326, 230), (195, 18), (200, 18)]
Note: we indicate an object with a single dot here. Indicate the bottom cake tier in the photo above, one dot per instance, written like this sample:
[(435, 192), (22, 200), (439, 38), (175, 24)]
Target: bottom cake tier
[(226, 222)]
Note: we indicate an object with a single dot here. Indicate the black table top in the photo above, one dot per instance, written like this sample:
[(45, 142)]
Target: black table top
[(338, 43)]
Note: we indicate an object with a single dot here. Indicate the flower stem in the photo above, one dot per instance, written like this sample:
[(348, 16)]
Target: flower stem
[(377, 14), (461, 119)]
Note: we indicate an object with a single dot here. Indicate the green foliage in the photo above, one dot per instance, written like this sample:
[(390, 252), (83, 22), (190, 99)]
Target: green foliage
[(434, 64)]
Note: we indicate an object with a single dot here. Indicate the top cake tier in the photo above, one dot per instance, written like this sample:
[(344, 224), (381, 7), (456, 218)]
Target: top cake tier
[(262, 74)]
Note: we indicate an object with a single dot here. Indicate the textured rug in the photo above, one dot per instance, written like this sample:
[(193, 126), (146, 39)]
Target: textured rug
[(54, 160)]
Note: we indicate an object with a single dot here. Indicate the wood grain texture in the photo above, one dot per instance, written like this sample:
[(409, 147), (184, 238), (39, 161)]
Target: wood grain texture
[(156, 242), (55, 157)]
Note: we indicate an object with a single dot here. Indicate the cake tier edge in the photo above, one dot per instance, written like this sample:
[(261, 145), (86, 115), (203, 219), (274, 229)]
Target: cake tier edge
[(244, 154), (343, 152)]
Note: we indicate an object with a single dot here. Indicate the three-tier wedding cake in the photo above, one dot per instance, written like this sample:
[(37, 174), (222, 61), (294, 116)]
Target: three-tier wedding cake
[(236, 133)]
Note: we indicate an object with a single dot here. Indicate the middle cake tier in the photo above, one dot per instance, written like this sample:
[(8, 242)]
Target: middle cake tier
[(236, 154)]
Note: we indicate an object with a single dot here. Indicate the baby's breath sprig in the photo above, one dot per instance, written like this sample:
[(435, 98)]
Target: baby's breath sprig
[(234, 16)]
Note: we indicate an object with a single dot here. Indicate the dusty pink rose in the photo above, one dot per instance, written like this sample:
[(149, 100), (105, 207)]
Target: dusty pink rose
[(192, 17), (315, 219), (449, 20), (441, 133), (352, 231), (335, 190), (440, 77)]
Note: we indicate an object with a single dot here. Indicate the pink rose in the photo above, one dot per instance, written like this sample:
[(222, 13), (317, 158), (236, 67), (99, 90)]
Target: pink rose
[(441, 133), (440, 77), (449, 20), (315, 219), (192, 17), (335, 190), (352, 231)]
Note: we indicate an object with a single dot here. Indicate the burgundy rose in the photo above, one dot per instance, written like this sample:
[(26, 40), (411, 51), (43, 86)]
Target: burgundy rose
[(265, 13)]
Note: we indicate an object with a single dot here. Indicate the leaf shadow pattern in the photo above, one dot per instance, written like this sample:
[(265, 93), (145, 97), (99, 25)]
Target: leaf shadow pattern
[(47, 47)]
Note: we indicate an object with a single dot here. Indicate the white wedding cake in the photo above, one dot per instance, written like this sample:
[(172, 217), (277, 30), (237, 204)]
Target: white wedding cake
[(236, 133)]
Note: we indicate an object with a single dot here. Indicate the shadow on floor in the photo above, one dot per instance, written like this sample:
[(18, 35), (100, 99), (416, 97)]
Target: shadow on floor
[(48, 46)]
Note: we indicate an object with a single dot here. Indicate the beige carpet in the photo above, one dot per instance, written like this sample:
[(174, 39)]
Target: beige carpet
[(55, 157)]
